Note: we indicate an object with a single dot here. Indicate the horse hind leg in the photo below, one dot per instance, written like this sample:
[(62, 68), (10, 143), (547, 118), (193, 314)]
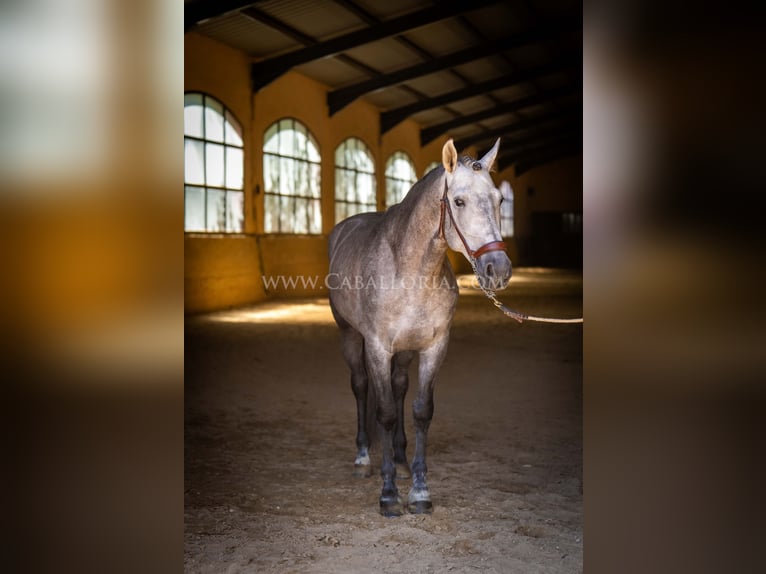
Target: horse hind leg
[(352, 343), (400, 383)]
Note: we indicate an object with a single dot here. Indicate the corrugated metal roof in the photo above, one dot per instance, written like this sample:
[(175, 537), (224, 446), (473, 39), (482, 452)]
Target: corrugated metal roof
[(414, 70)]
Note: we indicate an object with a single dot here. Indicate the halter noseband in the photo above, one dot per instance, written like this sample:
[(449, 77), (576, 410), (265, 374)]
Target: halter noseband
[(486, 248), (474, 255)]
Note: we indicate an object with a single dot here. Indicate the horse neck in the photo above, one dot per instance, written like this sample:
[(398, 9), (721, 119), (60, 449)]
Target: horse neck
[(415, 240)]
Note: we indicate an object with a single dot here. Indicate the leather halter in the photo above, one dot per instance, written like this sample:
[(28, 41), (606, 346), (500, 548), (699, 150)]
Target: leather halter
[(486, 248)]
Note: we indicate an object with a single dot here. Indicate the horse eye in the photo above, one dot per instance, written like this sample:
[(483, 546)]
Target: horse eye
[(502, 199), (459, 202)]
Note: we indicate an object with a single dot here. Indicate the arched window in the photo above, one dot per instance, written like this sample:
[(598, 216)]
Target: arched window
[(430, 166), (354, 179), (214, 163), (400, 175), (291, 177), (506, 210)]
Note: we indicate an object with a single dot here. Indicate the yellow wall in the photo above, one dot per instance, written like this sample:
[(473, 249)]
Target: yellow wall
[(301, 257), (558, 187), (223, 271)]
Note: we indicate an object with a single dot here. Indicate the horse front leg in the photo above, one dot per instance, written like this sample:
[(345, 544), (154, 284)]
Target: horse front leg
[(419, 499), (379, 370), (400, 382)]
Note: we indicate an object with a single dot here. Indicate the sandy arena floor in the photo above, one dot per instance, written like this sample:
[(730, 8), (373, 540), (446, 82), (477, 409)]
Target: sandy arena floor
[(269, 444)]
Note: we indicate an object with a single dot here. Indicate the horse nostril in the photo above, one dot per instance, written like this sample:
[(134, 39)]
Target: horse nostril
[(490, 270)]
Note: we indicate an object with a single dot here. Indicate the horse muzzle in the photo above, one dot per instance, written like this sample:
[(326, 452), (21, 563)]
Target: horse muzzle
[(494, 269)]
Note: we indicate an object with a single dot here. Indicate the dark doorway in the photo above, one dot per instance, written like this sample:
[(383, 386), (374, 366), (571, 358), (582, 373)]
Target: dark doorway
[(556, 239)]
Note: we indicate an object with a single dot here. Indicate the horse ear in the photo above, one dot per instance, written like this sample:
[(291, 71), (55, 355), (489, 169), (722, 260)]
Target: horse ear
[(489, 157), (449, 156)]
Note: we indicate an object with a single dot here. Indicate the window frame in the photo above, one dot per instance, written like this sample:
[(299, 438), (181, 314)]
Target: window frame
[(507, 214), (227, 116), (389, 162), (313, 203), (340, 198)]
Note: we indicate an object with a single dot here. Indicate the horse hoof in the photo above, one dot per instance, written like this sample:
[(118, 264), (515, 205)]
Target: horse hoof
[(419, 501), (421, 507), (363, 470), (391, 508), (402, 471)]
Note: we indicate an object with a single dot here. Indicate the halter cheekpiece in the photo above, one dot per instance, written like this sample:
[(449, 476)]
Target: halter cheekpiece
[(447, 209)]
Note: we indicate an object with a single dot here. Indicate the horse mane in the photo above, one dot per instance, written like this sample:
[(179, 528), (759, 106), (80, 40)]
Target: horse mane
[(424, 183), (430, 178), (428, 181)]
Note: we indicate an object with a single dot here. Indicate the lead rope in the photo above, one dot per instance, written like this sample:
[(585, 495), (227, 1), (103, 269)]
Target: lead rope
[(516, 315), (520, 317)]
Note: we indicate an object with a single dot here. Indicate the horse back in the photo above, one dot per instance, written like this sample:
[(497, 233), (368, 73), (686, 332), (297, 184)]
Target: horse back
[(349, 236)]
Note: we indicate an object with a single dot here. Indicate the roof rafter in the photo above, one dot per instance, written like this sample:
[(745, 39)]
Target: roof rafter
[(372, 20), (536, 140), (339, 99), (547, 133), (307, 40), (566, 113), (391, 118), (267, 71), (511, 148), (358, 11), (526, 164), (196, 12), (538, 146), (431, 133), (277, 24)]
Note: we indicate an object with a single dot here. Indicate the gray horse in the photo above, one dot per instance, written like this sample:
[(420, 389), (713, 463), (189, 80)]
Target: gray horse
[(393, 294)]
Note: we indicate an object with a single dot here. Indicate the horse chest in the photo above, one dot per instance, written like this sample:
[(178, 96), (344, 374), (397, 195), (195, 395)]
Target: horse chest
[(417, 324), (415, 337)]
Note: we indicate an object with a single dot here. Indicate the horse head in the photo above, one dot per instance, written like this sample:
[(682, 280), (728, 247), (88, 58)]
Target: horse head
[(473, 204)]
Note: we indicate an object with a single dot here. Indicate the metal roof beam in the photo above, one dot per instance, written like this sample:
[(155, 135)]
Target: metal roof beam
[(339, 99), (567, 113), (392, 118), (523, 165), (513, 146), (267, 71), (307, 40), (196, 12), (537, 146), (277, 24), (431, 133)]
